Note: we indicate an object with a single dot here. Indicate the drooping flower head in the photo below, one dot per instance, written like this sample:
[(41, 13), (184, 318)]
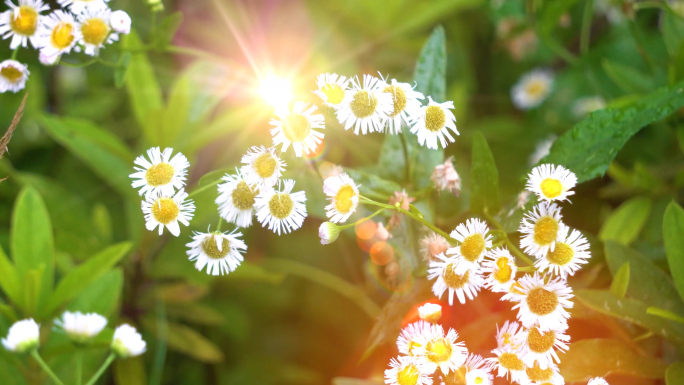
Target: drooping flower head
[(443, 269), (297, 128), (474, 239), (262, 167), (551, 182), (541, 227), (127, 342), (13, 76), (23, 336), (236, 200), (82, 328), (365, 107), (281, 210), (499, 268), (344, 197), (445, 177), (21, 22), (433, 122), (161, 173), (328, 232), (331, 89), (167, 211), (406, 103), (433, 245), (221, 253), (542, 304), (532, 89)]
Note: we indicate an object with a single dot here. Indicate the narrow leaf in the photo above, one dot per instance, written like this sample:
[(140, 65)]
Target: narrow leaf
[(484, 180), (101, 296), (430, 71), (10, 279), (673, 237), (32, 291), (625, 223), (183, 339), (620, 281), (665, 314), (627, 78)]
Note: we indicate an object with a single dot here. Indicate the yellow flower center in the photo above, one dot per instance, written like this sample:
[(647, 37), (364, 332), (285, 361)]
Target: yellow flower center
[(62, 35), (561, 255), (540, 343), (159, 174), (438, 350), (265, 165), (504, 271), (11, 73), (478, 380), (453, 280), (281, 205), (94, 31), (296, 127), (472, 247), (333, 92), (243, 196), (506, 338), (343, 199), (212, 251), (25, 21), (412, 345), (165, 210), (511, 361), (551, 188), (435, 118), (541, 301), (399, 97), (545, 230), (537, 374), (535, 88), (363, 105), (408, 375)]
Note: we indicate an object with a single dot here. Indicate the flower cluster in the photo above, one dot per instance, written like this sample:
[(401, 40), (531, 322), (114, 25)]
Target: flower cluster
[(81, 329), (81, 25)]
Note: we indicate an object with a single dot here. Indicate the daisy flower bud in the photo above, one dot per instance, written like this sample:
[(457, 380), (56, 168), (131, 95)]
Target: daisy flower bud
[(532, 89), (82, 328), (344, 197), (433, 122), (598, 381), (478, 377), (13, 76), (221, 253), (281, 211), (445, 177), (328, 232), (23, 336), (22, 21), (433, 245), (430, 312), (236, 200), (365, 107), (551, 182), (127, 342), (407, 371), (120, 22)]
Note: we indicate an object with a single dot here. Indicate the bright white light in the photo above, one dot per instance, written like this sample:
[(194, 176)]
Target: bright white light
[(276, 91)]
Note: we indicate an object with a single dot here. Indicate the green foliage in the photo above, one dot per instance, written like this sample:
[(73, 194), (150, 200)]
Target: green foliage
[(620, 282), (626, 222), (674, 375), (673, 228), (484, 188), (627, 78)]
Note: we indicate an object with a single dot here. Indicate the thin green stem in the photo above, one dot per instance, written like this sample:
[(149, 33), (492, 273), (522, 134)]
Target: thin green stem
[(79, 366), (361, 220), (102, 369), (412, 216), (512, 247), (585, 36), (45, 367), (15, 53), (107, 63), (527, 269), (648, 4), (409, 164), (78, 65), (204, 188), (220, 222)]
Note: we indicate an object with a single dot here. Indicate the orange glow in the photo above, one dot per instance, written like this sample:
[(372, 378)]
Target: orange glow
[(381, 253)]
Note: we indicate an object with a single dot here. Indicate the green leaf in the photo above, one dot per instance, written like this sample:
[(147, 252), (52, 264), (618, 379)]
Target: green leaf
[(103, 152), (102, 223), (602, 357), (674, 375), (31, 240), (551, 12), (673, 231), (178, 109), (121, 70), (101, 296), (143, 88), (10, 279), (588, 148), (85, 274), (196, 313), (673, 31), (166, 30), (620, 281), (130, 371), (627, 78), (664, 314), (484, 180), (625, 223), (185, 340), (32, 290), (647, 282), (373, 186), (430, 71), (631, 310)]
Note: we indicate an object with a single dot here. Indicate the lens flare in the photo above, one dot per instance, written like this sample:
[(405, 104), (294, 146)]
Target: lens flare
[(276, 91)]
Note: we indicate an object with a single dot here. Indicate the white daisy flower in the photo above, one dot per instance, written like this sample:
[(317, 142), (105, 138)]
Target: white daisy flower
[(433, 245), (479, 377), (430, 312), (510, 334), (433, 122), (541, 227), (21, 22), (80, 327), (23, 336), (344, 197), (58, 33), (95, 30), (445, 177), (499, 268), (281, 211), (540, 347), (48, 61), (220, 252), (236, 200), (598, 381), (406, 371), (532, 89), (542, 303), (535, 375), (584, 106), (444, 270), (551, 182), (120, 22), (127, 342), (331, 88), (570, 252), (328, 232), (262, 167), (405, 103), (365, 107), (161, 173), (298, 128), (166, 211), (507, 363), (474, 243), (473, 362), (413, 336), (13, 76), (78, 6), (442, 351)]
